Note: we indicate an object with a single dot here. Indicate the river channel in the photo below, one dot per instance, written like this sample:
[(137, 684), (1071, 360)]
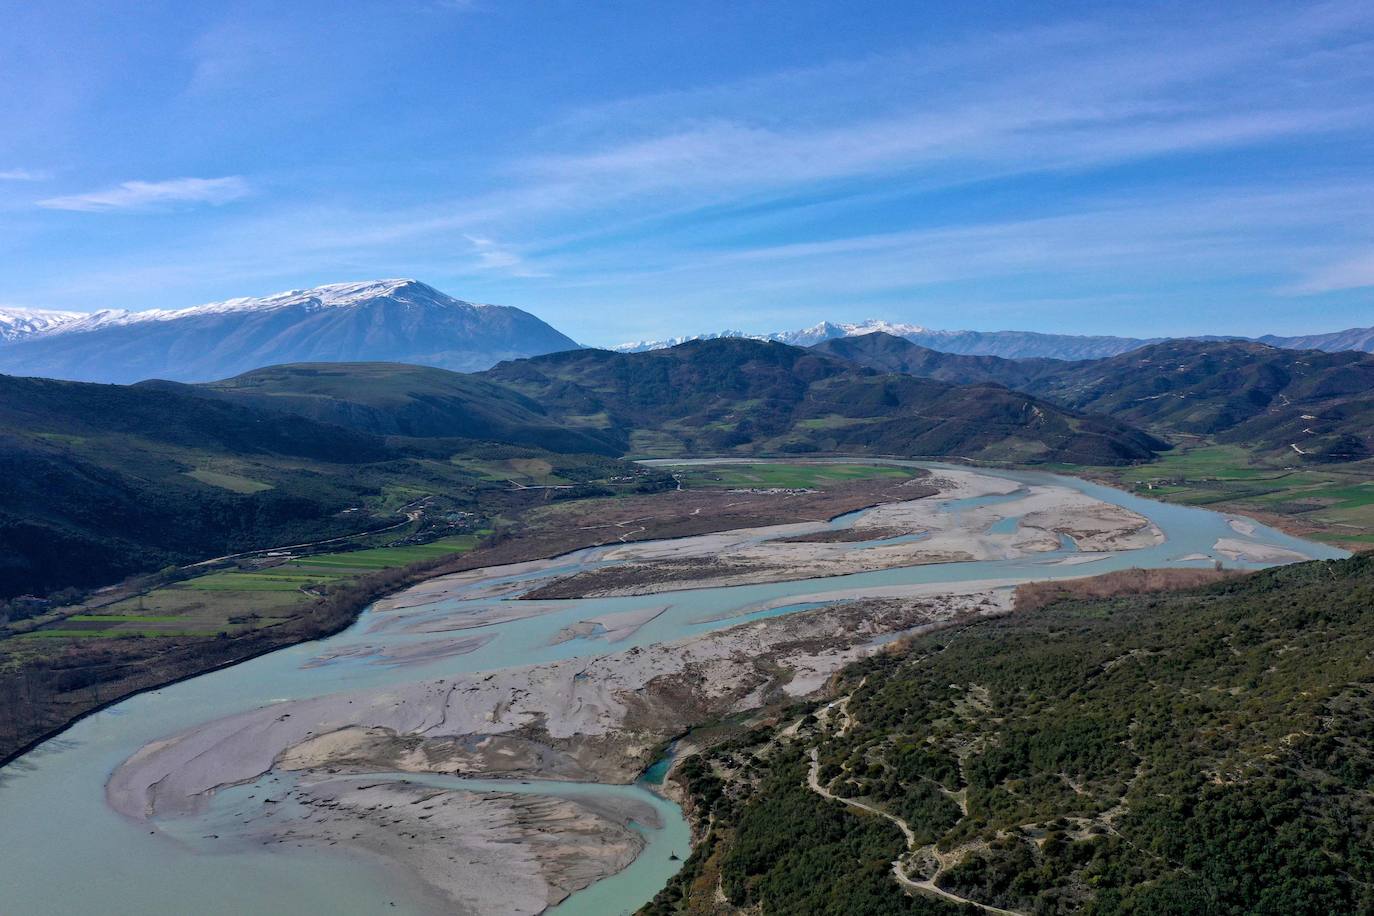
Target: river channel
[(67, 851)]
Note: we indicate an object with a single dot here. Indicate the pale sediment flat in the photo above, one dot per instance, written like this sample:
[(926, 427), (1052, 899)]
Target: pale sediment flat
[(580, 718), (441, 587), (614, 627), (1251, 552), (469, 852), (585, 720), (1044, 512), (592, 718), (384, 654)]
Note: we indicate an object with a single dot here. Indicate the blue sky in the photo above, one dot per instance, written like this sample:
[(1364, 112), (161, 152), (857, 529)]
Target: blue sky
[(629, 170)]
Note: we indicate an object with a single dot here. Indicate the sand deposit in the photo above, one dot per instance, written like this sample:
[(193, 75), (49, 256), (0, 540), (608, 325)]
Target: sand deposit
[(1043, 514)]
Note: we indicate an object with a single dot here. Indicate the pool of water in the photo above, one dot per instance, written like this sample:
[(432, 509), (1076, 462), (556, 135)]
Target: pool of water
[(67, 851)]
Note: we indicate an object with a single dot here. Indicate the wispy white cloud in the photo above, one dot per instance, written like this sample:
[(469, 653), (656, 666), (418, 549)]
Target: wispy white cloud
[(151, 195), (1352, 273), (1072, 97), (1013, 163), (492, 256), (22, 175)]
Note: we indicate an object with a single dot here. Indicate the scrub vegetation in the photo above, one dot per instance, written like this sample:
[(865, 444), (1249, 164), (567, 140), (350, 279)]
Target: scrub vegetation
[(1204, 751)]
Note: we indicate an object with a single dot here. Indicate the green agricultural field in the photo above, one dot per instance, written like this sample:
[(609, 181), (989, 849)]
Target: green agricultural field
[(383, 557), (1217, 462), (253, 582), (122, 618), (524, 471), (111, 634), (792, 476), (1329, 502), (238, 600)]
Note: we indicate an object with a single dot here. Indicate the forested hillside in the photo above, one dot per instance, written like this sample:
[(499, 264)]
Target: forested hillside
[(1202, 752), (1297, 404), (101, 481), (395, 399), (739, 396), (1303, 403)]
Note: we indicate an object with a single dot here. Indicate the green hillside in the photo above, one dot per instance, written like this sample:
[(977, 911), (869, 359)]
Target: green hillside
[(395, 399), (101, 481), (1303, 405), (1201, 752), (735, 396), (1306, 405), (890, 353)]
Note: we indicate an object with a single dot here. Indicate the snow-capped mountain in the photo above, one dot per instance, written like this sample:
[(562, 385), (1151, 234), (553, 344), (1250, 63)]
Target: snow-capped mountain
[(1007, 344), (375, 320), (806, 337), (16, 323)]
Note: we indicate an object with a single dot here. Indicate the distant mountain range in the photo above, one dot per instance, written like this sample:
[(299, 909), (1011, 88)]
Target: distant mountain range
[(405, 321), (747, 397), (708, 397), (1008, 344), (389, 320), (1303, 403), (136, 477)]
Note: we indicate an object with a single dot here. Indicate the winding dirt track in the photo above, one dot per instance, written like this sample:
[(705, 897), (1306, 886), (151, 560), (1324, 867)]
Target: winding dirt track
[(928, 886)]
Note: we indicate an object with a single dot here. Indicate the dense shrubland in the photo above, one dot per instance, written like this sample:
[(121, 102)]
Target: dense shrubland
[(1208, 751)]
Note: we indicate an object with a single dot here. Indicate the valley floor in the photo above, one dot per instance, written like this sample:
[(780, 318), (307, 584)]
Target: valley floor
[(137, 636), (599, 716), (1332, 502)]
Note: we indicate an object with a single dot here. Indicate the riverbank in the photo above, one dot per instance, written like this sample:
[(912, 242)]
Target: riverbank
[(454, 680), (577, 720), (47, 684), (1011, 521)]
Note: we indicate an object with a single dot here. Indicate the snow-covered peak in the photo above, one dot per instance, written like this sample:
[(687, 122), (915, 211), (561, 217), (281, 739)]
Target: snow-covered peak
[(805, 337), (333, 295), (16, 323), (895, 328), (640, 346)]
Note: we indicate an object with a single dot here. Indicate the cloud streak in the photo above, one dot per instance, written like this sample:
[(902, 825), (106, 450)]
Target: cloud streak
[(153, 195), (1354, 273), (1114, 158), (492, 256)]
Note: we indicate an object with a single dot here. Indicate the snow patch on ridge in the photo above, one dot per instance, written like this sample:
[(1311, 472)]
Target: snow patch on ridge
[(333, 295), (805, 337), (16, 323)]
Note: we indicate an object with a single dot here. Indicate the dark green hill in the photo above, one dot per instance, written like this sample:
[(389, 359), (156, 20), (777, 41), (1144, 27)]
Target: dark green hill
[(737, 396), (95, 480), (1319, 405), (1301, 404), (395, 399), (890, 353), (101, 481), (1208, 751)]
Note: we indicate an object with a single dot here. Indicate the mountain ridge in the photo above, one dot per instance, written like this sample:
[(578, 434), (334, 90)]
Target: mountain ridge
[(1310, 403), (1010, 344), (739, 396), (374, 320)]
